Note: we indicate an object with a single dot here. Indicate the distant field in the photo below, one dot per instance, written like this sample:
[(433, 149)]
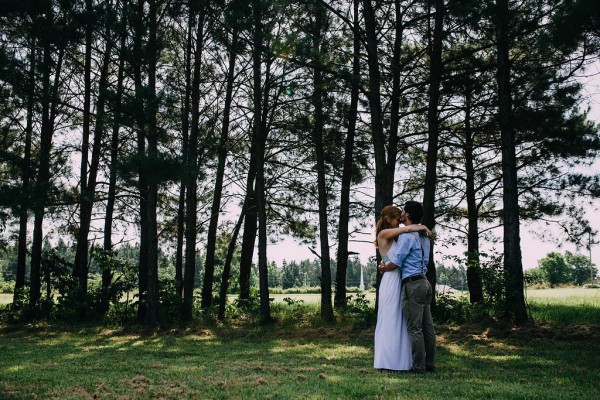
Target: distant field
[(312, 297), (5, 298), (565, 305), (566, 296)]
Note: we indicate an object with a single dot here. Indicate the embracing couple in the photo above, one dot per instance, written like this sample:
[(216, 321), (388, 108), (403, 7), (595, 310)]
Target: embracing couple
[(404, 336)]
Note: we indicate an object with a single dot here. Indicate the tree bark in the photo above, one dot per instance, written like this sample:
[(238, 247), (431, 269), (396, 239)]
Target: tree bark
[(317, 136), (140, 113), (340, 300), (261, 137), (513, 267), (185, 130), (435, 77), (227, 269), (392, 147), (250, 227), (211, 241), (192, 176), (152, 300), (384, 172), (26, 173), (81, 254), (114, 145), (473, 267), (99, 133), (49, 105), (383, 183)]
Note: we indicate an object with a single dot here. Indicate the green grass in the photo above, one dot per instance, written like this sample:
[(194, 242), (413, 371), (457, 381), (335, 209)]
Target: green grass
[(565, 305), (313, 363), (300, 357)]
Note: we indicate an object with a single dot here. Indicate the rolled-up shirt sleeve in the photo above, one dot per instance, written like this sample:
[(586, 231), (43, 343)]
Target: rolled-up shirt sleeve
[(402, 250)]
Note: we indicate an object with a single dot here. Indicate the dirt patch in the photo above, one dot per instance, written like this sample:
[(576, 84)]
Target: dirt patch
[(72, 392), (138, 384), (12, 391), (141, 387), (173, 389), (495, 330)]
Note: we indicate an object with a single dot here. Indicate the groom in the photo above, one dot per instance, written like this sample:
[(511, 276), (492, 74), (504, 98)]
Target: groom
[(411, 256)]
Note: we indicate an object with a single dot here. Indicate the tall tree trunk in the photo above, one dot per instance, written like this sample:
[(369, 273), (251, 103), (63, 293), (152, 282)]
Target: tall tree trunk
[(185, 127), (99, 133), (383, 184), (392, 146), (152, 300), (250, 222), (261, 138), (211, 241), (513, 267), (344, 220), (435, 77), (81, 254), (144, 239), (192, 176), (114, 144), (26, 174), (473, 267), (317, 136), (227, 268), (49, 105), (140, 112)]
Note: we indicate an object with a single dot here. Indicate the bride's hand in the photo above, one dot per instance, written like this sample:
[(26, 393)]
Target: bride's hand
[(421, 228), (385, 267)]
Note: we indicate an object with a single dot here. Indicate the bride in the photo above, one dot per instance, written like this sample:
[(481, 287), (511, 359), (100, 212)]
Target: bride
[(392, 344)]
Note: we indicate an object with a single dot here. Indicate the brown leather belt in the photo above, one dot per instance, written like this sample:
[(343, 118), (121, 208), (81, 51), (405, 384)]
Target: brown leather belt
[(412, 279)]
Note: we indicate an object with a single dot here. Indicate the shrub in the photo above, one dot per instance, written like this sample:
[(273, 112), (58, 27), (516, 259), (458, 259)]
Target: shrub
[(6, 287), (17, 311), (450, 309), (359, 311)]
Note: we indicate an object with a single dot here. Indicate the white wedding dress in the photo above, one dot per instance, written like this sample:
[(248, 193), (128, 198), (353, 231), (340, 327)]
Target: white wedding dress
[(392, 344)]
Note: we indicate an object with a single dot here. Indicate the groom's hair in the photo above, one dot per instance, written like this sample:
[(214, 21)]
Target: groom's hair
[(414, 210)]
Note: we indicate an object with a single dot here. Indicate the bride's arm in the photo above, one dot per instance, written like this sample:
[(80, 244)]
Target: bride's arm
[(391, 233)]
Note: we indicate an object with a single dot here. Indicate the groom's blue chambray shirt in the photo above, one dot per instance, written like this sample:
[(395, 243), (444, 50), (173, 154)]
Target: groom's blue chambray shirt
[(407, 254)]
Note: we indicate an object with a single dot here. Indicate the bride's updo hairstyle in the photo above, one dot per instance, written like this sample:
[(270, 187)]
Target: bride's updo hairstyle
[(388, 214)]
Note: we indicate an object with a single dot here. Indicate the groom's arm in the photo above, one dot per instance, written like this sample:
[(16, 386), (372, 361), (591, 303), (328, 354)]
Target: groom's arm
[(397, 256), (403, 246)]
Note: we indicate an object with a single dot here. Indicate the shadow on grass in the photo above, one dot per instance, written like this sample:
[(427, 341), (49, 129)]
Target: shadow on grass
[(473, 362)]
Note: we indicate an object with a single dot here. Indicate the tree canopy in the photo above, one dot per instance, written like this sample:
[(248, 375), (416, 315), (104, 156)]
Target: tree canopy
[(213, 127)]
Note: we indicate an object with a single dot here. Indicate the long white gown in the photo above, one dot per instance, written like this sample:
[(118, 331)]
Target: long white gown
[(392, 344)]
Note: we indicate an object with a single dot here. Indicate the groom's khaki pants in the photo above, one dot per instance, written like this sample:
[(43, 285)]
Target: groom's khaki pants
[(416, 300)]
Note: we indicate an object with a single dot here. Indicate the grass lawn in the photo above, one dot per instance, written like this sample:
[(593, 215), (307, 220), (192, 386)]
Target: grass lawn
[(303, 359), (315, 362)]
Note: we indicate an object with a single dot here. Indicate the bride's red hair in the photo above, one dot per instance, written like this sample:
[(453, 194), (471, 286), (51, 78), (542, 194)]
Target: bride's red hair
[(388, 214)]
